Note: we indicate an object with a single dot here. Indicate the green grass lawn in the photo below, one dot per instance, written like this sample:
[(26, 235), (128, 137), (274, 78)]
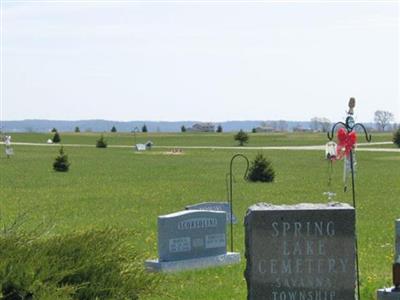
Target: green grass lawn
[(190, 139), (123, 189)]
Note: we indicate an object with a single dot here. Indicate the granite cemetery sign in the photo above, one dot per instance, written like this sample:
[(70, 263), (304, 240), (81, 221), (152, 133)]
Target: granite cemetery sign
[(191, 239), (217, 206), (300, 252)]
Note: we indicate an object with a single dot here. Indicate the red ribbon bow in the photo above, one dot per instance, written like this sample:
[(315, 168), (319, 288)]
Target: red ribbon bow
[(346, 142)]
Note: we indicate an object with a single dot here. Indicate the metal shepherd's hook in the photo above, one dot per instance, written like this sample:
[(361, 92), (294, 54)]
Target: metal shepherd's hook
[(350, 126), (231, 189)]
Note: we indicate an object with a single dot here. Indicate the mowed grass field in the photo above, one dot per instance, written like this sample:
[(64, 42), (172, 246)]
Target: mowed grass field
[(117, 187), (192, 139)]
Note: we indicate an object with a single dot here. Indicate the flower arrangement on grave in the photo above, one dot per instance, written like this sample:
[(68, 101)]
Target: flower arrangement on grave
[(346, 144), (345, 149)]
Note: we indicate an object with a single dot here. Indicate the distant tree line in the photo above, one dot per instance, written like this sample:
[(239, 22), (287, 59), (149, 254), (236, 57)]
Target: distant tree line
[(320, 124), (383, 121)]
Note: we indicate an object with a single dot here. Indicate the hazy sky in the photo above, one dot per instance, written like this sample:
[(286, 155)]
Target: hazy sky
[(209, 61)]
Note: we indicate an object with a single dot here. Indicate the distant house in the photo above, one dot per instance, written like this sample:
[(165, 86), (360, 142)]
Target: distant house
[(202, 127), (301, 129), (264, 129)]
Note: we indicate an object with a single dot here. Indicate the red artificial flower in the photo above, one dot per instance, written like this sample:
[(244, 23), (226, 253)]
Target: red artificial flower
[(346, 142)]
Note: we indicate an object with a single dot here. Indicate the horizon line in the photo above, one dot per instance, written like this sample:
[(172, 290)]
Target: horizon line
[(173, 121)]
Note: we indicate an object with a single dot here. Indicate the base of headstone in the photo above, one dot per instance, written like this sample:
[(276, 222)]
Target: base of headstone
[(229, 258), (388, 294)]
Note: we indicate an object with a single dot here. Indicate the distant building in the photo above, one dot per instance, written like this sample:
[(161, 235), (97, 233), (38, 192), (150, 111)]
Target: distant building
[(301, 129), (202, 127), (264, 129)]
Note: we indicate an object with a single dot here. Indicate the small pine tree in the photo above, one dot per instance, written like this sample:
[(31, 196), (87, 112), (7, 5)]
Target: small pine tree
[(254, 130), (144, 128), (183, 128), (113, 129), (56, 138), (219, 128), (61, 163), (101, 142), (396, 137), (77, 129), (261, 170), (242, 137)]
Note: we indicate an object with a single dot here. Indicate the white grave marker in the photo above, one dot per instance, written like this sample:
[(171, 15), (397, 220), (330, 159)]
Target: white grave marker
[(140, 147)]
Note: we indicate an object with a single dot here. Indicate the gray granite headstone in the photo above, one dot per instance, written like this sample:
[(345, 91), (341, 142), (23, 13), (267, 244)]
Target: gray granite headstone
[(388, 294), (191, 234), (304, 251), (191, 239), (217, 206)]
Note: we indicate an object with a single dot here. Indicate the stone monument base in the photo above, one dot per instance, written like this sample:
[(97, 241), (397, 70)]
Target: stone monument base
[(229, 258), (388, 294)]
